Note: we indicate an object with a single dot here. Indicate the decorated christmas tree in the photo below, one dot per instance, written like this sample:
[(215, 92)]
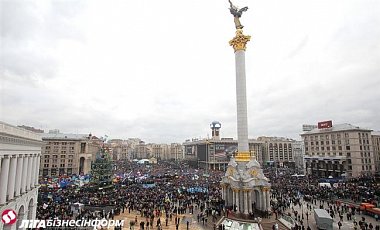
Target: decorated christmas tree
[(101, 170)]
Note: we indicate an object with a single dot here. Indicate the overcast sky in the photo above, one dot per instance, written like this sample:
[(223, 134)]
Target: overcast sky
[(163, 70)]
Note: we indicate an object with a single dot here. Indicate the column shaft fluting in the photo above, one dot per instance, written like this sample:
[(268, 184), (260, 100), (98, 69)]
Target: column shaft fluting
[(4, 179), (29, 176), (20, 161), (24, 174), (12, 178)]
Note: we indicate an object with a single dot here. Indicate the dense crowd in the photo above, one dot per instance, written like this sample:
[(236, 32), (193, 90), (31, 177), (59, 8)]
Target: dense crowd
[(156, 191), (341, 200)]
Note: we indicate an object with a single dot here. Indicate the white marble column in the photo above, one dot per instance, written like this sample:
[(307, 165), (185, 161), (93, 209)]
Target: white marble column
[(245, 192), (24, 174), (12, 178), (4, 179), (233, 199), (34, 169), (29, 176), (241, 102), (20, 162), (36, 182), (264, 201), (237, 201), (250, 201), (268, 201)]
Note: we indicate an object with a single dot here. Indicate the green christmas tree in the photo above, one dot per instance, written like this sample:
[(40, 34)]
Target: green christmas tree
[(101, 170)]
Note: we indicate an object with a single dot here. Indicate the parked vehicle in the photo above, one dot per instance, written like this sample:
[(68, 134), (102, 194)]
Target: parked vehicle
[(323, 219)]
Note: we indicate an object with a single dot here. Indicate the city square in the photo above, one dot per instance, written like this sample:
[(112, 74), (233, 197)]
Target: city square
[(160, 165)]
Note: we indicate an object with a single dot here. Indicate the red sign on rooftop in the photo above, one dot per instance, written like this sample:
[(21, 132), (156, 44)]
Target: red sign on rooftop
[(324, 124)]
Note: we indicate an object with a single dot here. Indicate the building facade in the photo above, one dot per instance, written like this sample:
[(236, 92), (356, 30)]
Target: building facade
[(279, 151), (68, 154), (299, 153), (376, 149), (339, 150), (215, 154), (20, 152)]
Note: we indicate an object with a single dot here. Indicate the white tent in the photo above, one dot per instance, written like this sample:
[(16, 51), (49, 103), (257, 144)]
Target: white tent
[(143, 161)]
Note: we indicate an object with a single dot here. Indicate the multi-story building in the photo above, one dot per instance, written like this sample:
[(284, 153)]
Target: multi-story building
[(160, 151), (279, 150), (338, 150), (176, 151), (142, 151), (20, 152), (68, 153), (215, 154), (376, 149), (298, 153), (119, 149)]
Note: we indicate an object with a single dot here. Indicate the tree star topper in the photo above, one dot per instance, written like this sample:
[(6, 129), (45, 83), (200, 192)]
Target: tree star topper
[(236, 12)]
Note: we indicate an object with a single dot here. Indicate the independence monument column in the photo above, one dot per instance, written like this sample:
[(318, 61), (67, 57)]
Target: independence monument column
[(239, 43), (245, 189)]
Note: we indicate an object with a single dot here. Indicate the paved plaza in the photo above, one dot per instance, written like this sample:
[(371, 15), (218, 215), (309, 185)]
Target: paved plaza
[(310, 221)]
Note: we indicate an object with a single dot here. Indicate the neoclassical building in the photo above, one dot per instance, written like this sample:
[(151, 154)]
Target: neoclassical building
[(20, 152)]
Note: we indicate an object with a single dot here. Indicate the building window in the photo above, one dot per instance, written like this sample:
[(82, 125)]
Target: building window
[(62, 165), (46, 156), (82, 147), (55, 156), (348, 147), (348, 154), (46, 165)]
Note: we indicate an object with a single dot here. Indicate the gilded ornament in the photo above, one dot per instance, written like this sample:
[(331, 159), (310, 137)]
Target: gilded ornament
[(243, 156), (239, 42), (254, 172)]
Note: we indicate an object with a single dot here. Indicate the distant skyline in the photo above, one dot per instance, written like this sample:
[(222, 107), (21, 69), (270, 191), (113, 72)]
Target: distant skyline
[(162, 71)]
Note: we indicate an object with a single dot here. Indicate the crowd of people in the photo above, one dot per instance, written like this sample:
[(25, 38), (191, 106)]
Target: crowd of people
[(341, 200), (159, 192)]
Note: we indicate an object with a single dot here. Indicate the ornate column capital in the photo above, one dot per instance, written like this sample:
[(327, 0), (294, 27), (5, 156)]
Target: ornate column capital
[(240, 40)]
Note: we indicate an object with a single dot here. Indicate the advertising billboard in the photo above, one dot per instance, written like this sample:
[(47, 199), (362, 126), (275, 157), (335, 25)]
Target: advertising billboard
[(324, 124)]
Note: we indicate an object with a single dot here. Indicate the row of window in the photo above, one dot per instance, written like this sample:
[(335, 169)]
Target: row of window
[(55, 160), (56, 166), (56, 156), (62, 143)]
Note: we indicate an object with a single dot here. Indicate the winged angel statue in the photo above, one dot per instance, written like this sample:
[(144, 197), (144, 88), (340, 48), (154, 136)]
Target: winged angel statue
[(236, 12)]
